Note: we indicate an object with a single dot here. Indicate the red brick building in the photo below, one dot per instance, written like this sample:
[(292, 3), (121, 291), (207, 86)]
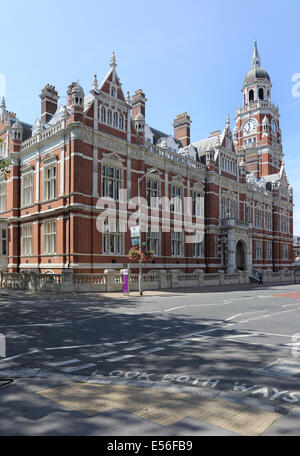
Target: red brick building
[(101, 142)]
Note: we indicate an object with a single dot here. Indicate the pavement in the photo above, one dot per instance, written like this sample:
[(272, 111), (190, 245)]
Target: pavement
[(200, 362)]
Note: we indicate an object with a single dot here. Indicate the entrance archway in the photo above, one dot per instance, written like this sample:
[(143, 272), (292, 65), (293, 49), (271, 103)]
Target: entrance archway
[(240, 256)]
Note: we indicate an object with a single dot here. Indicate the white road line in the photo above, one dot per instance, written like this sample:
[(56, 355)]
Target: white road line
[(241, 335), (77, 368), (232, 318), (120, 358), (36, 325), (179, 344), (31, 352), (175, 308), (153, 350), (271, 334), (102, 355), (69, 347), (64, 363), (135, 348)]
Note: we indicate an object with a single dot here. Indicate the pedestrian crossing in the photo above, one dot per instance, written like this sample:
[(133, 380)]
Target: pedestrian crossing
[(119, 355)]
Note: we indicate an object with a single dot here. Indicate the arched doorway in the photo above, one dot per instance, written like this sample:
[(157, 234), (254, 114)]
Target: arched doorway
[(240, 256)]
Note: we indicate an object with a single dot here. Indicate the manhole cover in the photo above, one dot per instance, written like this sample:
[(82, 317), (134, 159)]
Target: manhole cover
[(282, 368)]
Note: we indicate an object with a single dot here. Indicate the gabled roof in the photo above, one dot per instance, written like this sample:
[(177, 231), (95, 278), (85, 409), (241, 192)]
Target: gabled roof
[(202, 145), (157, 135)]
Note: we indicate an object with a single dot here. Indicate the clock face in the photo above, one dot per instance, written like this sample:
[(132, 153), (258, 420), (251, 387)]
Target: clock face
[(249, 127), (274, 127)]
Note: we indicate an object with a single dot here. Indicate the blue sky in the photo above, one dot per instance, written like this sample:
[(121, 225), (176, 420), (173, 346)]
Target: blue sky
[(187, 56)]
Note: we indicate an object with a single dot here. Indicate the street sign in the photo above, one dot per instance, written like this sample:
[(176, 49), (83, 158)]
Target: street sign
[(135, 231)]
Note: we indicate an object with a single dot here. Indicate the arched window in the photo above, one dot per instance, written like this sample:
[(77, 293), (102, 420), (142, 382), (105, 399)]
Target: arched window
[(121, 122), (261, 94), (109, 117), (103, 115), (115, 123), (113, 92), (251, 96)]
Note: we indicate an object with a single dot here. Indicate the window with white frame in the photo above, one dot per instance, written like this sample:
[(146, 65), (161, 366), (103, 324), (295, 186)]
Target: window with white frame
[(111, 182), (26, 240), (177, 243), (284, 223), (103, 114), (285, 252), (113, 238), (198, 204), (258, 218), (153, 192), (228, 208), (109, 117), (198, 250), (258, 250), (27, 189), (268, 221), (121, 122), (49, 229), (153, 241), (248, 214), (177, 199), (50, 182), (115, 120), (3, 197), (3, 149), (269, 251)]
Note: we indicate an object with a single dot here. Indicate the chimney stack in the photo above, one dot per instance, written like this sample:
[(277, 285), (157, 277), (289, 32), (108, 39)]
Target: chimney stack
[(139, 113), (49, 97), (182, 129)]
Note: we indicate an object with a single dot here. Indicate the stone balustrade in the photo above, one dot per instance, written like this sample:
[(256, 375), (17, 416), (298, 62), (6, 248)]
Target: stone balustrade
[(112, 280)]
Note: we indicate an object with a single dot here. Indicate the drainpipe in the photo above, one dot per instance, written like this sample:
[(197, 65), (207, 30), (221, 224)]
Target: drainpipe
[(69, 205), (19, 215)]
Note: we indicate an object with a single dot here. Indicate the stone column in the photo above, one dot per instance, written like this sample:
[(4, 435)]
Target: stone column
[(221, 277), (201, 279), (231, 252), (175, 280), (67, 285), (110, 279), (163, 283)]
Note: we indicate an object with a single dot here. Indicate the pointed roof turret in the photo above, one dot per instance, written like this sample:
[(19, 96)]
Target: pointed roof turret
[(113, 62), (256, 71), (256, 60), (95, 83), (227, 125), (3, 105)]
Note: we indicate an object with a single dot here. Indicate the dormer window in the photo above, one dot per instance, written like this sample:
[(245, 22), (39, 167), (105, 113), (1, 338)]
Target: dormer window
[(113, 92)]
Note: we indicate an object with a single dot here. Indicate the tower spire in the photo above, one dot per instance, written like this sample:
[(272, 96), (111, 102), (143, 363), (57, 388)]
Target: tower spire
[(95, 83), (113, 62), (256, 60)]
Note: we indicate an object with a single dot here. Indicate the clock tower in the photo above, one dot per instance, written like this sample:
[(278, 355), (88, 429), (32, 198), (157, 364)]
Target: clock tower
[(257, 134)]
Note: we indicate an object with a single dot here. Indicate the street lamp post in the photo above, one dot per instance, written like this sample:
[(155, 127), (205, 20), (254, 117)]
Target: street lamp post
[(140, 180)]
